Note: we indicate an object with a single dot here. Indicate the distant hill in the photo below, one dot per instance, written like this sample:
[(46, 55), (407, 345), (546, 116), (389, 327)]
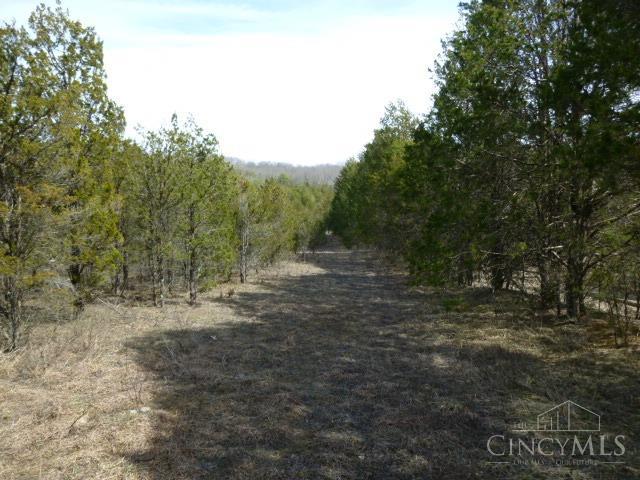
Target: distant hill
[(324, 174)]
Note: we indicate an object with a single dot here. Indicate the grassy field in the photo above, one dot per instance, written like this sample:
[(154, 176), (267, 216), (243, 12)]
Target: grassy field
[(332, 369)]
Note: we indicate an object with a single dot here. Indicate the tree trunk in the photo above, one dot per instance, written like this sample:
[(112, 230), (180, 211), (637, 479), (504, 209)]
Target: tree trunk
[(161, 280), (244, 252), (154, 281), (125, 274), (497, 277), (548, 285), (243, 269), (574, 289), (581, 210), (115, 284), (75, 276), (75, 269), (193, 285), (193, 290), (12, 310), (169, 279), (498, 262)]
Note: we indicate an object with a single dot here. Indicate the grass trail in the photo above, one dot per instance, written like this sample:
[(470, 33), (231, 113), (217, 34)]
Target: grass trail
[(334, 368)]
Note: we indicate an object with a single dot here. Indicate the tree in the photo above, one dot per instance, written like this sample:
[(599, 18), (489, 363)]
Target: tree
[(538, 135), (276, 217), (53, 108), (85, 127), (206, 223), (595, 100), (527, 159), (248, 215), (79, 204), (343, 215), (125, 186), (310, 206), (157, 202), (262, 213), (367, 207)]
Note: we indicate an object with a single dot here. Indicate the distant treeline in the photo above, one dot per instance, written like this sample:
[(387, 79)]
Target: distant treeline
[(85, 209), (526, 172), (324, 174)]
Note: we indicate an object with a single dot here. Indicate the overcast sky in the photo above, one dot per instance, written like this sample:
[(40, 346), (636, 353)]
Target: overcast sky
[(303, 82)]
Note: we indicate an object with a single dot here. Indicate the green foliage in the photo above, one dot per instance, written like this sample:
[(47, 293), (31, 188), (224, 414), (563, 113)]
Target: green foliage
[(182, 196), (309, 208), (277, 216), (343, 216), (367, 204), (455, 304), (205, 226), (57, 130), (77, 200), (527, 161)]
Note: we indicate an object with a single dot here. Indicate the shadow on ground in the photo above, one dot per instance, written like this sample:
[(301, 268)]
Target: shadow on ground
[(341, 374)]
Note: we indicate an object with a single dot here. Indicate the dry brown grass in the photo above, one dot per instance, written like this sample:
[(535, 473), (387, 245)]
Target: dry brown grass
[(328, 369)]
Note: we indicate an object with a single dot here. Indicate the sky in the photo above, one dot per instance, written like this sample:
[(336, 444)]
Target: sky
[(302, 82)]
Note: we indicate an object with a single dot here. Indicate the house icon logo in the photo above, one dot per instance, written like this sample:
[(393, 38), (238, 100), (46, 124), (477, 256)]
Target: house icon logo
[(568, 417), (566, 434)]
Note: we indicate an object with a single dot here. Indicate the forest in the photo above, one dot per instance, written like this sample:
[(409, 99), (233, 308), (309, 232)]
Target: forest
[(86, 209), (316, 174), (439, 306), (525, 174)]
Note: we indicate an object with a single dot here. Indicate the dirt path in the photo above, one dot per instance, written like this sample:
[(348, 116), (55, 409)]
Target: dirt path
[(325, 374), (342, 371), (330, 369)]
